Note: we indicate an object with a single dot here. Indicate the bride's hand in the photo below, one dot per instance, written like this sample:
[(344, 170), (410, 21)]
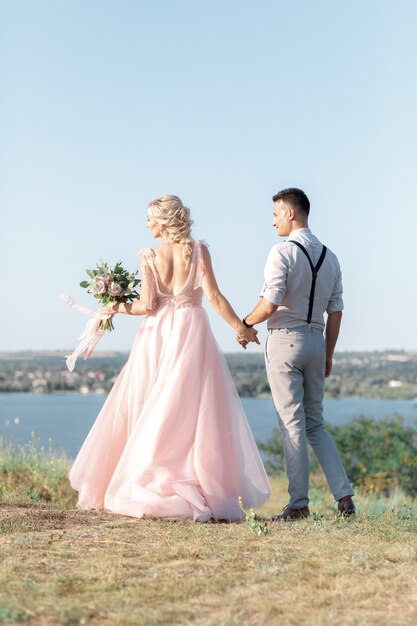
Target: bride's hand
[(242, 342), (110, 308)]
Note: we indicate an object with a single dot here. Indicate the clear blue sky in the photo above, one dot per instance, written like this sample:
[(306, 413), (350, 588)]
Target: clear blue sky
[(106, 104)]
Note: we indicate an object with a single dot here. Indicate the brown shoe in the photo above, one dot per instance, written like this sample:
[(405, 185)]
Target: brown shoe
[(345, 506), (289, 514)]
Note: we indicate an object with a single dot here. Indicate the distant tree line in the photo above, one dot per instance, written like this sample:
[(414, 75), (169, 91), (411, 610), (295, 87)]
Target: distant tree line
[(361, 374)]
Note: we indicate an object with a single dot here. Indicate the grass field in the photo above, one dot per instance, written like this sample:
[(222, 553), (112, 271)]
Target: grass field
[(65, 566)]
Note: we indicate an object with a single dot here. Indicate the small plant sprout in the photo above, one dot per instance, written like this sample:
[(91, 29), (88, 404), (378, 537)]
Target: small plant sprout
[(256, 526)]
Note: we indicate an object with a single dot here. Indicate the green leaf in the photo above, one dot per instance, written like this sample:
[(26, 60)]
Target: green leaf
[(91, 273), (84, 284)]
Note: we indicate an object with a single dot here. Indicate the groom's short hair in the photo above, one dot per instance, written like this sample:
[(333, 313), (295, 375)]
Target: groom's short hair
[(295, 197)]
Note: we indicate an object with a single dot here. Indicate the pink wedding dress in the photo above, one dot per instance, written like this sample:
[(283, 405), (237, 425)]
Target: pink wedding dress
[(172, 439)]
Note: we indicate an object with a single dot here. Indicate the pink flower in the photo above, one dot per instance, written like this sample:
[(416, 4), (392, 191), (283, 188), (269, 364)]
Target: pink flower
[(98, 287), (115, 289)]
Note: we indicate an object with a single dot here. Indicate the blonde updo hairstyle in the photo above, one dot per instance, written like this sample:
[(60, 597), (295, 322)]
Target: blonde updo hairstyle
[(175, 221)]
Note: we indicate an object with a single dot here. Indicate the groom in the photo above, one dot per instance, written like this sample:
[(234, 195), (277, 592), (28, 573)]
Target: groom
[(302, 282)]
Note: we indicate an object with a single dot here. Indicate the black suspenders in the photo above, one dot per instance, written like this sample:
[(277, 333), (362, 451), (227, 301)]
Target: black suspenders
[(314, 271)]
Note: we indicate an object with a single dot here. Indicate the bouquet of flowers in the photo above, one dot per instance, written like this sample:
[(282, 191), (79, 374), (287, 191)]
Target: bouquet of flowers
[(111, 284), (107, 284)]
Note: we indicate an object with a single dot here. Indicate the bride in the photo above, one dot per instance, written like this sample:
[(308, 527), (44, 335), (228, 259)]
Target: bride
[(172, 440)]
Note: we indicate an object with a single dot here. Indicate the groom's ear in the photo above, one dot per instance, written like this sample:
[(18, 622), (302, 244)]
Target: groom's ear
[(291, 213)]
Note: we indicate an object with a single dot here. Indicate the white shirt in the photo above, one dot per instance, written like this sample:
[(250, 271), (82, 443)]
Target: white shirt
[(288, 282)]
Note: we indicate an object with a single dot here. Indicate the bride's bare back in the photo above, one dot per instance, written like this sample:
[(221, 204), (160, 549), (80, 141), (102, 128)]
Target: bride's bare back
[(173, 270)]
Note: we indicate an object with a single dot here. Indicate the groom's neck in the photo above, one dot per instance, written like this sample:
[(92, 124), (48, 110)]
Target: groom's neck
[(296, 224)]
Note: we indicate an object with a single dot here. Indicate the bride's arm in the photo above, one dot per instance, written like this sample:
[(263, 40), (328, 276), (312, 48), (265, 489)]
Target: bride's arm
[(129, 308), (220, 304)]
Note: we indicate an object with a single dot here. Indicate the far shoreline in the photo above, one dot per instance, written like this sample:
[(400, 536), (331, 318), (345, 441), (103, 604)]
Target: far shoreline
[(263, 396)]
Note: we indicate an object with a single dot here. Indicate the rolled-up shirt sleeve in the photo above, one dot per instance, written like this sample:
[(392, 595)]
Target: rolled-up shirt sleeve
[(275, 273), (336, 299)]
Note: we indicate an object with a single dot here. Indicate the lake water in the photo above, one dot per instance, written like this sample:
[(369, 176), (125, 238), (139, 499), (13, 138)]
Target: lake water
[(65, 419)]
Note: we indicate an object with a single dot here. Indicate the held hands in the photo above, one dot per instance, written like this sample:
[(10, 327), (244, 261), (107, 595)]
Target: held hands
[(247, 335)]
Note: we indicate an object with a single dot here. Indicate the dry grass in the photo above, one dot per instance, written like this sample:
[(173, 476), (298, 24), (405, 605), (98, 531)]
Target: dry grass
[(64, 566)]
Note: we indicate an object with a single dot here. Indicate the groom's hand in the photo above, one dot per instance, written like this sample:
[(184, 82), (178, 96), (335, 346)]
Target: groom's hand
[(329, 363), (247, 335)]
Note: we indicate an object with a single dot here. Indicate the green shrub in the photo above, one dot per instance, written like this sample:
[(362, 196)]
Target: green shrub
[(30, 473), (378, 455)]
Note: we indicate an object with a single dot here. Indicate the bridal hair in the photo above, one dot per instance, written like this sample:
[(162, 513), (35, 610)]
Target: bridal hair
[(295, 198), (175, 221)]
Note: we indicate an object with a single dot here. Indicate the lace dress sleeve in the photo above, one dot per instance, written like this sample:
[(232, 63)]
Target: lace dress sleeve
[(147, 285)]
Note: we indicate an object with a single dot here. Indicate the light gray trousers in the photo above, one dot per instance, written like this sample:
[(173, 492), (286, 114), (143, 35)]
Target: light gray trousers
[(295, 364)]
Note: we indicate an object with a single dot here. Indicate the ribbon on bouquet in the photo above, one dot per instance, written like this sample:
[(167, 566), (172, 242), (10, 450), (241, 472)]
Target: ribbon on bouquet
[(91, 334)]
